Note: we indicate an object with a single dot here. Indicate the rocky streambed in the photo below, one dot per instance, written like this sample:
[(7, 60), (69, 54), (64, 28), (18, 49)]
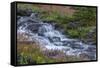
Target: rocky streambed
[(43, 33)]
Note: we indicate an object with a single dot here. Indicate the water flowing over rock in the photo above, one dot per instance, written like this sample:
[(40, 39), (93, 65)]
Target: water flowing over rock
[(46, 35)]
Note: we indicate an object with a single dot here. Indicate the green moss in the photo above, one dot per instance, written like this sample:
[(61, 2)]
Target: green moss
[(86, 15), (80, 33), (73, 33)]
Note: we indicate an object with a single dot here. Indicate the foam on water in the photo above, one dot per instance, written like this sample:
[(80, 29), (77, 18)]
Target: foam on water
[(51, 38)]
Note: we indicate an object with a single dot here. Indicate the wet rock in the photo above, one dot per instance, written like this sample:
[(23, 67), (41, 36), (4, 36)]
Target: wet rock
[(77, 46), (91, 37), (47, 34), (34, 15), (59, 27), (92, 55), (33, 27), (70, 42), (84, 56), (67, 43), (28, 23), (24, 12), (89, 41), (27, 19), (18, 17), (50, 22), (30, 60), (91, 49), (54, 39), (73, 24)]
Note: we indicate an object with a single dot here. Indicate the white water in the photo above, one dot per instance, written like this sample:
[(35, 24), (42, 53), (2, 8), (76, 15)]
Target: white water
[(50, 38)]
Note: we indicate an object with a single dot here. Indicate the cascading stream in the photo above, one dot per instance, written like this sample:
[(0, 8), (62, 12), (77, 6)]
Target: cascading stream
[(46, 35)]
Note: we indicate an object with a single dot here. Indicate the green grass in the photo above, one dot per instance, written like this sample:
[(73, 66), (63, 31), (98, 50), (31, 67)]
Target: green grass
[(79, 32), (56, 16), (32, 54)]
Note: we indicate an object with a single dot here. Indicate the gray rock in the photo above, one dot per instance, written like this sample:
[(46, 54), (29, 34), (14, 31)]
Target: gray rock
[(54, 39), (24, 12), (33, 27), (73, 24)]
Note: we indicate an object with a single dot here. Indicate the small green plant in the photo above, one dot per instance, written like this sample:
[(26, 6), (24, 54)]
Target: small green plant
[(32, 54)]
